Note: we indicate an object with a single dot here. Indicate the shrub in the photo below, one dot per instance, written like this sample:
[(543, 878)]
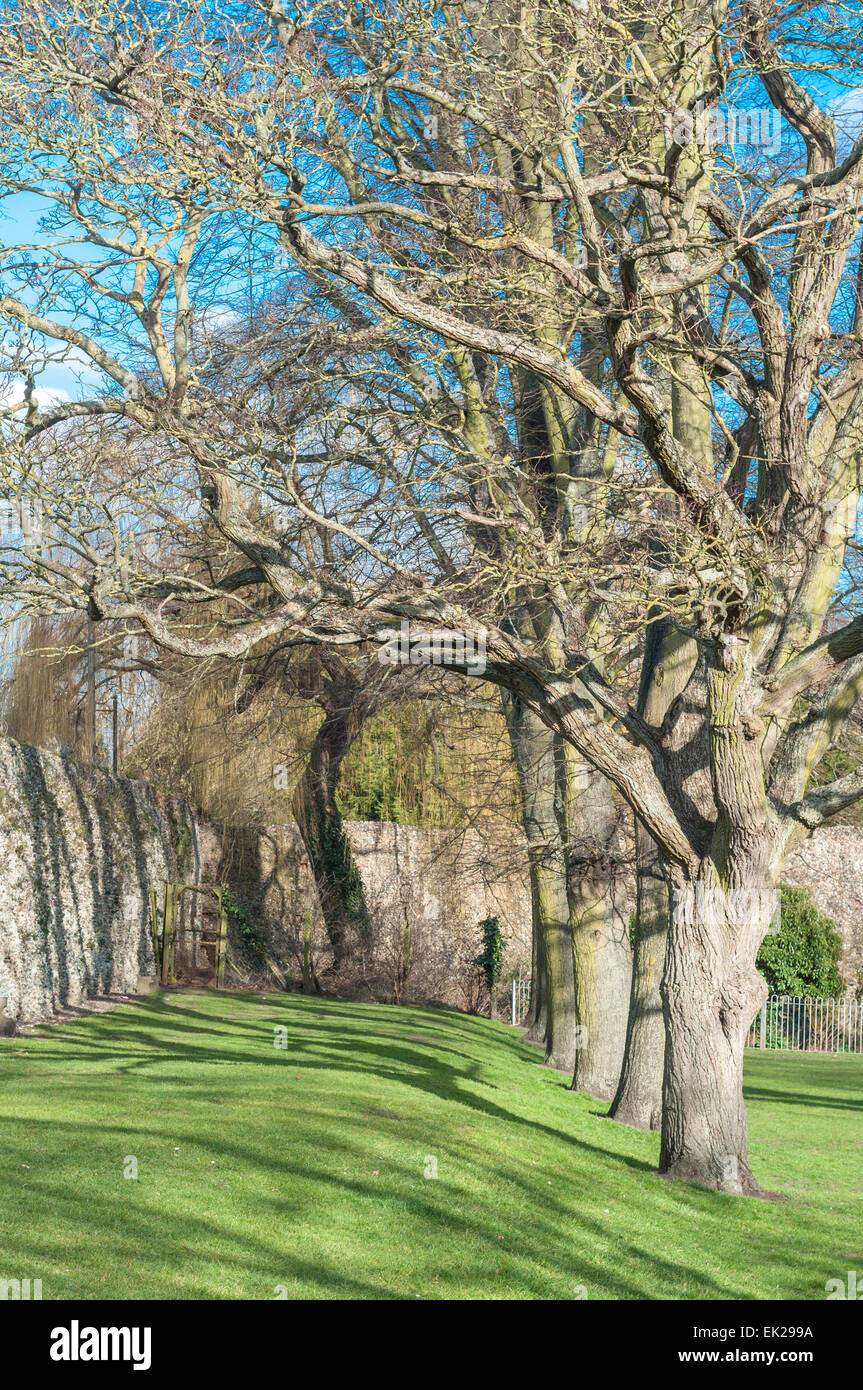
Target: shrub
[(802, 957)]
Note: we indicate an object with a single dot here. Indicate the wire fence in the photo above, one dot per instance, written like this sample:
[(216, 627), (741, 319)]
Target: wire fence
[(795, 1023)]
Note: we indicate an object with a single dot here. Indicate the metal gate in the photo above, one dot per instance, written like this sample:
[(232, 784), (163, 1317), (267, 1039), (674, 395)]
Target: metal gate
[(520, 999), (191, 944)]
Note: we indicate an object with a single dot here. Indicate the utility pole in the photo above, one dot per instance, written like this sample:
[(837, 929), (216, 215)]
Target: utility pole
[(115, 729), (90, 707)]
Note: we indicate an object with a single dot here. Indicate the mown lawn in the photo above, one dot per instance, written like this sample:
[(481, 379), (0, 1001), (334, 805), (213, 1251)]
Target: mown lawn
[(265, 1172)]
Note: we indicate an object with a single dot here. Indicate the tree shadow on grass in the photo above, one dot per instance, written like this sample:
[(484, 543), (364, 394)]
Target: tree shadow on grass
[(543, 1238), (356, 1054), (777, 1097), (537, 1246)]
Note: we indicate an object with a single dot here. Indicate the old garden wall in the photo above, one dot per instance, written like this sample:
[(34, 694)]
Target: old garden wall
[(80, 849)]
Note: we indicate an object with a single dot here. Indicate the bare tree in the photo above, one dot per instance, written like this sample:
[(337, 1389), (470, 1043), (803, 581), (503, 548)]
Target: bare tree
[(543, 206)]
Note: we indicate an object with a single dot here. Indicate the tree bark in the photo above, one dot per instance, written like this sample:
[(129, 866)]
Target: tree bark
[(711, 992), (536, 1023), (712, 988), (561, 1016), (535, 753), (338, 883), (638, 1100), (669, 661), (600, 931)]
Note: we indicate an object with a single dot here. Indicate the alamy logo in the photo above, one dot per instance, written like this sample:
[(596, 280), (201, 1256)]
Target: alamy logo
[(16, 1289), (76, 1343), (845, 1288), (444, 647), (694, 904), (709, 126), (22, 515)]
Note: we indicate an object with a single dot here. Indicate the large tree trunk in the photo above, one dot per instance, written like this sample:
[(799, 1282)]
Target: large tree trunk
[(536, 1020), (712, 989), (561, 1032), (535, 751), (338, 883), (669, 660), (712, 992), (603, 971), (638, 1100), (600, 930)]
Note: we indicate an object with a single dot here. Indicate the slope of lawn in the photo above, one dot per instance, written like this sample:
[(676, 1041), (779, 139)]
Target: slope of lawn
[(301, 1172)]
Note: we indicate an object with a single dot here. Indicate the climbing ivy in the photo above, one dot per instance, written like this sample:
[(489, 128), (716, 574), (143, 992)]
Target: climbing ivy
[(339, 866), (490, 958), (244, 926)]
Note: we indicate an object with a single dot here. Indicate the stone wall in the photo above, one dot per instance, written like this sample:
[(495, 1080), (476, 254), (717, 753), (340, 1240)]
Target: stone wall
[(437, 884), (78, 851), (830, 862), (445, 882)]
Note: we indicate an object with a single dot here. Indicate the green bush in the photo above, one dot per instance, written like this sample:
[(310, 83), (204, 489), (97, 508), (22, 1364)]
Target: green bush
[(802, 957)]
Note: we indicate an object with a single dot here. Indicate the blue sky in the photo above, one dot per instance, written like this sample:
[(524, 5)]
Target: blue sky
[(20, 215)]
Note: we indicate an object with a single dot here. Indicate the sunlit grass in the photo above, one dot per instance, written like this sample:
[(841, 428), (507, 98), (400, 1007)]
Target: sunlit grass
[(301, 1172)]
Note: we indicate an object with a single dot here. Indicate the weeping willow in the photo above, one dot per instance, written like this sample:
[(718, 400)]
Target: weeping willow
[(430, 766), (42, 691), (417, 762)]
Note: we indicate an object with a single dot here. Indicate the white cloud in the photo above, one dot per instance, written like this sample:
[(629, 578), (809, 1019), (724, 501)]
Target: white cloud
[(12, 393), (847, 112), (219, 318)]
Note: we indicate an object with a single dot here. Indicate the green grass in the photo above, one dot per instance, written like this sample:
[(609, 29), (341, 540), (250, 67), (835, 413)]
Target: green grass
[(304, 1168)]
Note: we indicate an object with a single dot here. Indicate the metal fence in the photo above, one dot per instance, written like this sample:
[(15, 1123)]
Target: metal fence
[(790, 1022), (520, 999), (798, 1024)]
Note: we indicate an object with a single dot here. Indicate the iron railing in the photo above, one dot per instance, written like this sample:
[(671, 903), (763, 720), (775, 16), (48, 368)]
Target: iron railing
[(793, 1023), (797, 1023)]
